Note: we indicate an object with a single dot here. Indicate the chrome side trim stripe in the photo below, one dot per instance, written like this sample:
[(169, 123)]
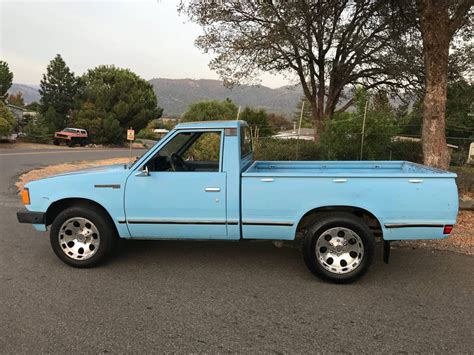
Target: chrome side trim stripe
[(110, 186), (142, 221), (413, 225), (231, 223), (267, 223)]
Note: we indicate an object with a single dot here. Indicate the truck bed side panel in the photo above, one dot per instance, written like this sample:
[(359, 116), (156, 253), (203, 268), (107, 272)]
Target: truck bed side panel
[(272, 206)]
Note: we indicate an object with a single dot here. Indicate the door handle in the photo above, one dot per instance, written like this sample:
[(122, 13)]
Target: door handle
[(212, 189), (415, 181), (267, 180)]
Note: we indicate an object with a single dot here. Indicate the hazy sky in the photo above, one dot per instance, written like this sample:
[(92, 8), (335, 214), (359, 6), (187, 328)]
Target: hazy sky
[(148, 37)]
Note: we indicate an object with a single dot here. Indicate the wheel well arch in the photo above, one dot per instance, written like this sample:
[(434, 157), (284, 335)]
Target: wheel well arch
[(312, 215), (58, 206)]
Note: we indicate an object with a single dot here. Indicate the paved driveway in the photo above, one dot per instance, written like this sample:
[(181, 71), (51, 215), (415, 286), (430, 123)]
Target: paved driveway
[(218, 296)]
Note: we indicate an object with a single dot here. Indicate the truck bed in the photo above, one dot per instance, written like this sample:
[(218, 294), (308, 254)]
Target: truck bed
[(410, 201), (344, 168)]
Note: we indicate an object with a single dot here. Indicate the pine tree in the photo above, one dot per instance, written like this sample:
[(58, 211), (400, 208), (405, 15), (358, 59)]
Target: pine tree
[(6, 78), (58, 90)]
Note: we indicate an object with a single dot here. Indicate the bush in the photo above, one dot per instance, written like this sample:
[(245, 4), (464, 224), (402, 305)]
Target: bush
[(406, 150), (147, 134), (7, 120), (286, 149), (37, 132), (213, 110)]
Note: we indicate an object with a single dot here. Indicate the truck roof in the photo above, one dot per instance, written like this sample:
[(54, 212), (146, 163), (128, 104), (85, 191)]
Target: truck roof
[(211, 124)]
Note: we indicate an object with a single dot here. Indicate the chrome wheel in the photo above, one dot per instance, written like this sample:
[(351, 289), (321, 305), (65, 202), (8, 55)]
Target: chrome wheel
[(79, 238), (339, 250)]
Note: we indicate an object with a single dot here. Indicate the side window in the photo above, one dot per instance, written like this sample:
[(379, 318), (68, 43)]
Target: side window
[(245, 142), (189, 151)]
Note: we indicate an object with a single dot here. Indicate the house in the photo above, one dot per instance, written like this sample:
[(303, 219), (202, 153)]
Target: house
[(169, 120), (414, 139), (303, 133), (17, 111), (470, 157)]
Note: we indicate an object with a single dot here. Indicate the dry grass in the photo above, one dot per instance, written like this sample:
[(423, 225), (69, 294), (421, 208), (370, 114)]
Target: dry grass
[(461, 239), (64, 168)]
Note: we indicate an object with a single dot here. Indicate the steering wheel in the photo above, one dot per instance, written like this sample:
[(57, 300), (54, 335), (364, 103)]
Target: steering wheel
[(177, 162)]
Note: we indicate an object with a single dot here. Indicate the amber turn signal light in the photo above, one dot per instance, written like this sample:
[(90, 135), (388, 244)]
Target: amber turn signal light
[(447, 229), (25, 196)]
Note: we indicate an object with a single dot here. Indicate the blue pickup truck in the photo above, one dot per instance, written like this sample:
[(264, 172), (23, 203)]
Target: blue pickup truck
[(200, 182)]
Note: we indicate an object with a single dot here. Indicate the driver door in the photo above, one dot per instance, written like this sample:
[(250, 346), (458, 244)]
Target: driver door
[(183, 195)]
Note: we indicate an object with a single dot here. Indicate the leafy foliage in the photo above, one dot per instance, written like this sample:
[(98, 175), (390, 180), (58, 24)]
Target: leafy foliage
[(16, 99), (6, 79), (100, 126), (7, 120), (257, 119), (58, 90), (278, 122), (37, 131), (211, 111), (114, 99), (287, 149), (342, 138)]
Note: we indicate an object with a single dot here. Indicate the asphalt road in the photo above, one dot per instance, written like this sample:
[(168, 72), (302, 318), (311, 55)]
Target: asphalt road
[(218, 296)]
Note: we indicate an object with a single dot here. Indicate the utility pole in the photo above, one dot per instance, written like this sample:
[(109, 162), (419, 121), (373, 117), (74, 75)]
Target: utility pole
[(299, 129), (363, 131)]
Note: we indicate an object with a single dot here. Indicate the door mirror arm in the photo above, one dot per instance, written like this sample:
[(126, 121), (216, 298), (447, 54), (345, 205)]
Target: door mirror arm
[(143, 171)]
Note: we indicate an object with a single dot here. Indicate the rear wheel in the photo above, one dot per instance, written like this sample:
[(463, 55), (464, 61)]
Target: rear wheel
[(82, 236), (339, 247)]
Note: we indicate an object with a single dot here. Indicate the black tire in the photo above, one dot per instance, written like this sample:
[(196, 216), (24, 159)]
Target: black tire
[(107, 235), (320, 262), (56, 142), (71, 143)]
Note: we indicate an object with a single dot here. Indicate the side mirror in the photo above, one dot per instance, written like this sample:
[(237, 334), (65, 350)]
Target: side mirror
[(143, 172)]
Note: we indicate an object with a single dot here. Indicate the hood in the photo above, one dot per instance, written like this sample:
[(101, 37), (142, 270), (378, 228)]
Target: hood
[(95, 170)]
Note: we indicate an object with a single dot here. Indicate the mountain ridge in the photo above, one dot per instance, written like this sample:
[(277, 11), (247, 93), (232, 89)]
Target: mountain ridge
[(175, 95)]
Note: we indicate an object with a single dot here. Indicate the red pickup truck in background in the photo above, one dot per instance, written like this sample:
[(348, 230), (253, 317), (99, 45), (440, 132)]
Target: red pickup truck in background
[(71, 136)]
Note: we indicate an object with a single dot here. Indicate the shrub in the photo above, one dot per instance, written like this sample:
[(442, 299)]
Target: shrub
[(37, 132), (146, 134), (286, 149), (406, 150)]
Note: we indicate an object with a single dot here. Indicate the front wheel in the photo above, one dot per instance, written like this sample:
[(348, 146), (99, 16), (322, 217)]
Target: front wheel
[(339, 247), (82, 236)]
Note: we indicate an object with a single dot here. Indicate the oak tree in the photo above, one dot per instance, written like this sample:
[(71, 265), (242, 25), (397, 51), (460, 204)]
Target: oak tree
[(327, 45)]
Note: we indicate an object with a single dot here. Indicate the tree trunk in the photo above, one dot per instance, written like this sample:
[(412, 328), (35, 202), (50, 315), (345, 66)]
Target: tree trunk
[(318, 124), (434, 20)]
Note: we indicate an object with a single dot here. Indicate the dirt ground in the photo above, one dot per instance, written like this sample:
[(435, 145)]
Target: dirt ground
[(461, 239)]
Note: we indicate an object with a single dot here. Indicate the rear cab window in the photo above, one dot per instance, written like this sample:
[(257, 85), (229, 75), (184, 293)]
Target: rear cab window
[(245, 142)]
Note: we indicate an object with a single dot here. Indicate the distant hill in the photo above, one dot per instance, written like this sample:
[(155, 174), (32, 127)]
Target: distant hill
[(30, 92), (175, 95)]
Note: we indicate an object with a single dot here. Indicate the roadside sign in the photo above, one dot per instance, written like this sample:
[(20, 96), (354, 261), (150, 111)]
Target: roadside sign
[(131, 135)]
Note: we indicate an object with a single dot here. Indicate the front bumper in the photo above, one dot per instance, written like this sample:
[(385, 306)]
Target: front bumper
[(31, 217)]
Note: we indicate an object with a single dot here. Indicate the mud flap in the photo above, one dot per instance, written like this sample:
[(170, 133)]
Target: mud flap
[(386, 251)]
